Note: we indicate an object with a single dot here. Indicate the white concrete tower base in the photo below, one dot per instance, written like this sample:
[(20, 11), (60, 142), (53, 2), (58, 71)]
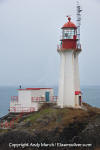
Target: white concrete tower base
[(69, 82), (66, 95)]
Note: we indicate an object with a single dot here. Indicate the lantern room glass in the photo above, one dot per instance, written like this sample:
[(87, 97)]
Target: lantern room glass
[(68, 33)]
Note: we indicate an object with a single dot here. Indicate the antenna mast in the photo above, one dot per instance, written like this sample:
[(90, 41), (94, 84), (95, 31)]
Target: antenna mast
[(79, 10)]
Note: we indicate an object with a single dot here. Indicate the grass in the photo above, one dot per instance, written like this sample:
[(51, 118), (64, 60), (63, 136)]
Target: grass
[(3, 130), (49, 118), (54, 117), (37, 115)]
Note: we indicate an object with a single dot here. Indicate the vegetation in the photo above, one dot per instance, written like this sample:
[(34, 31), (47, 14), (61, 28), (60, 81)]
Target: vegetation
[(50, 117), (54, 124)]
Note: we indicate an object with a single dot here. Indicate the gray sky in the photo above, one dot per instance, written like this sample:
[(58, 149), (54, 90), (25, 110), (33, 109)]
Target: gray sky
[(29, 33)]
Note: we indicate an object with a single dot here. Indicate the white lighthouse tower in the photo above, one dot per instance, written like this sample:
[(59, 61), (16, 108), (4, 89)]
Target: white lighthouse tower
[(69, 84)]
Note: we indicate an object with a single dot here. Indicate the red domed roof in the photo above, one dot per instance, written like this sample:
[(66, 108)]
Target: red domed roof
[(69, 24)]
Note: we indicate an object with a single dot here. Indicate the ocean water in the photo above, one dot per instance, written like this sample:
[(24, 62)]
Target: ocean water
[(91, 95), (5, 96)]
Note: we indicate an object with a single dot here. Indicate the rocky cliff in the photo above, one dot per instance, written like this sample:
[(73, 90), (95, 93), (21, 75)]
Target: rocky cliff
[(52, 128)]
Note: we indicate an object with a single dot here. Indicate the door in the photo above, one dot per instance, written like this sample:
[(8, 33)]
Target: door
[(47, 94), (80, 100)]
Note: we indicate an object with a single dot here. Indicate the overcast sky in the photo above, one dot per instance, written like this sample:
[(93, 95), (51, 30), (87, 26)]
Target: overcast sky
[(29, 33)]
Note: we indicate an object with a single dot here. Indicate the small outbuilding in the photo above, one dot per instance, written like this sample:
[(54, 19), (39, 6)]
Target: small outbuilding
[(31, 99)]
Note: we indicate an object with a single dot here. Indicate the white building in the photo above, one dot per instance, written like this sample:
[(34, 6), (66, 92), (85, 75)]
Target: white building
[(69, 84), (30, 99)]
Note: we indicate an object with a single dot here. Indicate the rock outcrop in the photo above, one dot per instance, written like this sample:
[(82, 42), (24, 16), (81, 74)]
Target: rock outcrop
[(53, 128)]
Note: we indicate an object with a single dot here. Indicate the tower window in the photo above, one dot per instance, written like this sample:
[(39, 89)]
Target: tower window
[(68, 33)]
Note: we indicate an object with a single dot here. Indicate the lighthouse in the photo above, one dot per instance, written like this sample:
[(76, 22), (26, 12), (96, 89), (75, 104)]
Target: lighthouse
[(69, 94)]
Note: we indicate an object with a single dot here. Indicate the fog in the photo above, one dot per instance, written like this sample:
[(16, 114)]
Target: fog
[(29, 33)]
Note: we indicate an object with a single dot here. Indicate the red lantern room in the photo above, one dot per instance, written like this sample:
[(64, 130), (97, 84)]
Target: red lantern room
[(69, 35)]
